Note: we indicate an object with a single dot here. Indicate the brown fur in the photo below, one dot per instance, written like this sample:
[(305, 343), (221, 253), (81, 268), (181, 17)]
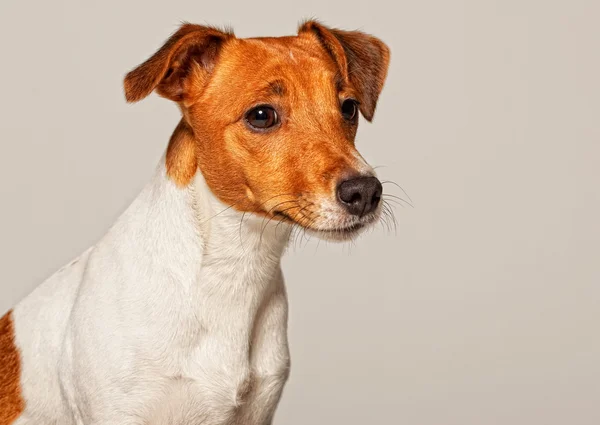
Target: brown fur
[(366, 58), (217, 78), (11, 401), (182, 161)]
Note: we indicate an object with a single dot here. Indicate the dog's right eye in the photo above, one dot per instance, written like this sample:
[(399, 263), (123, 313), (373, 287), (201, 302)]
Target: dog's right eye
[(262, 117), (349, 108)]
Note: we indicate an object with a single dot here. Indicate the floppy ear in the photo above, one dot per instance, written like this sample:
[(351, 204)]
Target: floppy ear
[(362, 58), (192, 49)]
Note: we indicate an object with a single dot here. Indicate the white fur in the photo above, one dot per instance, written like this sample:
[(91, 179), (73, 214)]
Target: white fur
[(177, 316)]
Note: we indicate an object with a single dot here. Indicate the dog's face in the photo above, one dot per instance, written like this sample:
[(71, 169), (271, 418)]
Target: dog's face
[(271, 122)]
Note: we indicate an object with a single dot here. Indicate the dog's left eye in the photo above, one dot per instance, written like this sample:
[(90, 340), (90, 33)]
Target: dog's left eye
[(349, 109), (262, 117)]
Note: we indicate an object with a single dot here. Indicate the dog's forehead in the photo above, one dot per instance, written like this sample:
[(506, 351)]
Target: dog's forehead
[(304, 53), (294, 63), (296, 69)]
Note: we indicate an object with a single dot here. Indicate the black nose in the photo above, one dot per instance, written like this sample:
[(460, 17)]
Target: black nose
[(360, 195)]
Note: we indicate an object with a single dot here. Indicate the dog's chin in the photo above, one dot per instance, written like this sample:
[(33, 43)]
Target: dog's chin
[(341, 229), (338, 235), (344, 233)]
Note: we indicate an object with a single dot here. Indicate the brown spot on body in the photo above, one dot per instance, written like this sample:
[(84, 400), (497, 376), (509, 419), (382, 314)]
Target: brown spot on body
[(11, 400)]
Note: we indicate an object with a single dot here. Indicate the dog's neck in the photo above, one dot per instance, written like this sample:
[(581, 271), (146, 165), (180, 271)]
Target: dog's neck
[(188, 234), (230, 235)]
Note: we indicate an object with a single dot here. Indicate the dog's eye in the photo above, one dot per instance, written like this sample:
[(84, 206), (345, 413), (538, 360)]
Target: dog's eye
[(349, 108), (262, 117)]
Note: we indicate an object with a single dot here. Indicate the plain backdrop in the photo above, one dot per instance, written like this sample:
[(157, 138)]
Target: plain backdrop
[(482, 309)]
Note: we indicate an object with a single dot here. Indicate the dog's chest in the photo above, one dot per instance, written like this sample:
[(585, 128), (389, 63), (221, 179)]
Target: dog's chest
[(221, 387), (206, 398), (214, 367)]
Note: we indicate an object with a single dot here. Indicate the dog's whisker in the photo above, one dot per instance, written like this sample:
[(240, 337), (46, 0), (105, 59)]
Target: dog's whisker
[(395, 202), (389, 214), (271, 219), (398, 198), (272, 216), (217, 214), (399, 187)]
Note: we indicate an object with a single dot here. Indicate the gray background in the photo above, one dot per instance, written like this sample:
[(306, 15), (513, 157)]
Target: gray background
[(483, 309)]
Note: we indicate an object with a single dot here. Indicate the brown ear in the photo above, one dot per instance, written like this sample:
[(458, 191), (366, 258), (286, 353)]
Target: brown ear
[(191, 48), (362, 58)]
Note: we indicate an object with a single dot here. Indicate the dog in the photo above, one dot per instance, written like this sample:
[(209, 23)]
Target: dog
[(178, 315)]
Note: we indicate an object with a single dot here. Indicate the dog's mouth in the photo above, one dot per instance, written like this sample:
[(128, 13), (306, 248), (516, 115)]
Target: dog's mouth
[(339, 233), (344, 230)]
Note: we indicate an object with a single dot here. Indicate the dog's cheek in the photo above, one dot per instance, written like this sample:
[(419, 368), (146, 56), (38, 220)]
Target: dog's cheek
[(220, 168)]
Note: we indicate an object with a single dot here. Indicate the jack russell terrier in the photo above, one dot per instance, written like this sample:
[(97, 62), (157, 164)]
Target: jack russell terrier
[(178, 315)]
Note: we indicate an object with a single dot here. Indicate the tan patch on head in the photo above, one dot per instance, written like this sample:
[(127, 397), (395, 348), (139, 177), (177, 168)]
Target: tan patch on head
[(294, 167), (11, 400), (286, 169)]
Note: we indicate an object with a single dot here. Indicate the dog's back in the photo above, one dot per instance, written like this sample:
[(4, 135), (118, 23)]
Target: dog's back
[(31, 343)]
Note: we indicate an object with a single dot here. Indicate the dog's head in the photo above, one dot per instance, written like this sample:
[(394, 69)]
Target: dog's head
[(271, 122)]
